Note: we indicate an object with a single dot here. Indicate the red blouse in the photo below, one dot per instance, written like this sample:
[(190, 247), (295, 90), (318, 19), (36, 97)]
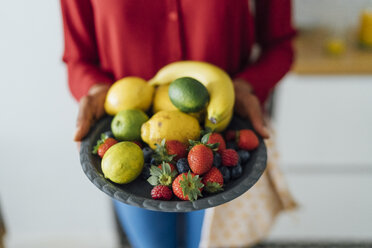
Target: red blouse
[(106, 40)]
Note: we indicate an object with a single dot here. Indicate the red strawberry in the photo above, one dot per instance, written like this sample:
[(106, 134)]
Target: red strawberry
[(169, 151), (200, 159), (229, 157), (213, 180), (173, 168), (138, 143), (187, 186), (217, 138), (105, 146), (175, 147), (247, 140), (161, 192), (230, 135)]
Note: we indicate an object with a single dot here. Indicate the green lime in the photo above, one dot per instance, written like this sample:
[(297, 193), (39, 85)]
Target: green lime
[(122, 162), (126, 124), (188, 94)]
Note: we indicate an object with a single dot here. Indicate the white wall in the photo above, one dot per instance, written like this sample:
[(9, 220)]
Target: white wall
[(44, 194), (328, 13)]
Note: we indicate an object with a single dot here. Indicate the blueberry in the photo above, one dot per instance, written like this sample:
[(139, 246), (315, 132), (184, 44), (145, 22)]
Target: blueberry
[(146, 171), (217, 160), (244, 156), (225, 174), (182, 165), (236, 171), (153, 161), (239, 160), (231, 145), (109, 134), (147, 154)]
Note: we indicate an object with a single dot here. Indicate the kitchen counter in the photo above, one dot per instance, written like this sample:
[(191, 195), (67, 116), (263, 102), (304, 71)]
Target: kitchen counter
[(311, 57)]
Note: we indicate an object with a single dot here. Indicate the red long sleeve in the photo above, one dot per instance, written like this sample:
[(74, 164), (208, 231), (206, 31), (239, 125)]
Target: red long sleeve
[(109, 40), (80, 53), (274, 33)]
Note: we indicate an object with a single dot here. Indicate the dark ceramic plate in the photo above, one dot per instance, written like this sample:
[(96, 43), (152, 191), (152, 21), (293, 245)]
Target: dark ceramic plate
[(137, 193)]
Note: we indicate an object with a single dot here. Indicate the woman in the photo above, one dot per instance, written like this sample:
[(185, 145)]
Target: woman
[(108, 40)]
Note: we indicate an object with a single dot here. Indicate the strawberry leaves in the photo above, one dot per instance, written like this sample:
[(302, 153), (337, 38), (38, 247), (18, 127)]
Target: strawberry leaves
[(205, 138), (206, 131), (155, 173), (213, 187), (100, 142), (191, 186), (161, 153), (163, 176), (204, 141)]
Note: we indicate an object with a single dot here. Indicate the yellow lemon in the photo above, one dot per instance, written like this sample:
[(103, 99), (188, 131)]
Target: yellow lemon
[(335, 46), (170, 125), (122, 162), (162, 100), (200, 116), (128, 93)]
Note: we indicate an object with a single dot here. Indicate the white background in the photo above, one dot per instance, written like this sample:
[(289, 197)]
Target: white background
[(45, 198), (323, 126)]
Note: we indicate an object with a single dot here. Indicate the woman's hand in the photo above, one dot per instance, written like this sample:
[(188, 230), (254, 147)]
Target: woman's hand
[(91, 108), (247, 105)]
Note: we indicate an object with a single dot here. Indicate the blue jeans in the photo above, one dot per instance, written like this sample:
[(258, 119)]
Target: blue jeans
[(152, 229)]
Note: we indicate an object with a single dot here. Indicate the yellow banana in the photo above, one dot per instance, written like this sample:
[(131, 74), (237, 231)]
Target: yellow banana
[(222, 125), (217, 82)]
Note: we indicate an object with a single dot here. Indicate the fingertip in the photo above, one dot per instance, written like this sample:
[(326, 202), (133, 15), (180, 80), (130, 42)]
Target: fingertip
[(259, 127), (79, 133), (266, 136), (77, 137), (265, 133), (262, 131), (78, 144), (82, 131)]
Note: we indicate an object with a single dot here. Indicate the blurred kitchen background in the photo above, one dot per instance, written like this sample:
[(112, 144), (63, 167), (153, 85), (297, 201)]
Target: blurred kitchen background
[(322, 115)]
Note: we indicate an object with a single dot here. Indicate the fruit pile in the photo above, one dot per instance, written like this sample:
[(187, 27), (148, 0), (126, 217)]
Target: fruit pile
[(165, 144), (188, 172)]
